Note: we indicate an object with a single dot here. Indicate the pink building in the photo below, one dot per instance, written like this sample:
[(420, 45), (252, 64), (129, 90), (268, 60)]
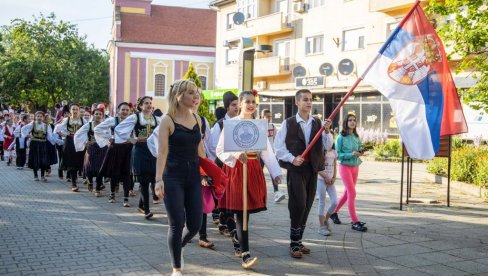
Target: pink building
[(153, 45)]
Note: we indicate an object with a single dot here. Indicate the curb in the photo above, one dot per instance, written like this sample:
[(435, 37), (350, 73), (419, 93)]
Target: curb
[(471, 189)]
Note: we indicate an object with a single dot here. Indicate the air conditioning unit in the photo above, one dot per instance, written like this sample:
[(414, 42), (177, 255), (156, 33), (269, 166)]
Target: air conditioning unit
[(261, 84), (299, 7)]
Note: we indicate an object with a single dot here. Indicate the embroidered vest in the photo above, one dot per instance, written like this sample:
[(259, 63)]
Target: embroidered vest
[(144, 131)]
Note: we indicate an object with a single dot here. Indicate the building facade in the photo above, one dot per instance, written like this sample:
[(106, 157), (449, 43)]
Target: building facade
[(320, 45), (153, 45)]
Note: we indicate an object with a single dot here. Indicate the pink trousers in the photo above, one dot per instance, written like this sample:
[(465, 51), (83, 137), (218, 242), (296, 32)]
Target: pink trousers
[(349, 176)]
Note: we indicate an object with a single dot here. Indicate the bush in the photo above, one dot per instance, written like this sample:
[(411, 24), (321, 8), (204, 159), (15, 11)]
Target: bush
[(481, 170), (391, 149), (437, 166), (468, 164)]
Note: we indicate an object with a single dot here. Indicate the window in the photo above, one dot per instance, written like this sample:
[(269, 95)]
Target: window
[(230, 21), (314, 44), (160, 74), (282, 49), (391, 26), (316, 3), (203, 70), (353, 39), (203, 80), (248, 7), (232, 56), (159, 85)]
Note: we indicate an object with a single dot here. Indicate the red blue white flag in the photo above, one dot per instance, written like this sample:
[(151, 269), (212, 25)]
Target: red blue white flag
[(412, 71)]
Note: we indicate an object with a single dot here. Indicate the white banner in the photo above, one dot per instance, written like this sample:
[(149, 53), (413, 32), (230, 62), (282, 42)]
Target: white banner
[(245, 135)]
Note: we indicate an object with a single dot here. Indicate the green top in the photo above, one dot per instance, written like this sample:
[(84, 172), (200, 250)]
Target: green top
[(345, 145)]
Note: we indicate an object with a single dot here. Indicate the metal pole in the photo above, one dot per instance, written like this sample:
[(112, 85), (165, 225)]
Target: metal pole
[(244, 196), (408, 176), (449, 175), (401, 181)]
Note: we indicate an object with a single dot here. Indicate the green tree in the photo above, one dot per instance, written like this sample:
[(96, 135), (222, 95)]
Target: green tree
[(467, 34), (204, 109), (46, 61)]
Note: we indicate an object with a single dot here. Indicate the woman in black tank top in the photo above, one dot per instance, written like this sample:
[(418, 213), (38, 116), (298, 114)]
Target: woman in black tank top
[(177, 168)]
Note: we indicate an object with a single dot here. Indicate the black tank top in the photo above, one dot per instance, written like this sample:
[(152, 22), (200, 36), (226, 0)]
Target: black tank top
[(183, 143)]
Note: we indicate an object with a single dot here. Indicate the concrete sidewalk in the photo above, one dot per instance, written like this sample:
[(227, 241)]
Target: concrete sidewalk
[(45, 229)]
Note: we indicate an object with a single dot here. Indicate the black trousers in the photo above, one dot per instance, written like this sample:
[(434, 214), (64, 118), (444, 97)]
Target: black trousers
[(144, 182), (21, 157), (114, 181), (302, 186)]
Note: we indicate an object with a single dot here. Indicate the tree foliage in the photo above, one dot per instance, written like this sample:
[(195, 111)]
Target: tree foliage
[(204, 109), (46, 61), (467, 34)]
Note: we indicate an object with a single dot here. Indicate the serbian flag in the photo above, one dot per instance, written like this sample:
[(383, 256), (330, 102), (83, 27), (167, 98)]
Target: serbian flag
[(412, 71)]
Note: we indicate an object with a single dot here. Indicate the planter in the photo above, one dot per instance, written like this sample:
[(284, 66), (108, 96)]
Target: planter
[(461, 186)]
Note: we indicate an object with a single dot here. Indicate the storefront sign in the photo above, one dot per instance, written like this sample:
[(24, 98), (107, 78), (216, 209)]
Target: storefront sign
[(310, 82), (215, 95)]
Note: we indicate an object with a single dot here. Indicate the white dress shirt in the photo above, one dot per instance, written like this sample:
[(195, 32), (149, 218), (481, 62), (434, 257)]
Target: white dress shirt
[(27, 129), (103, 131), (282, 152), (214, 139)]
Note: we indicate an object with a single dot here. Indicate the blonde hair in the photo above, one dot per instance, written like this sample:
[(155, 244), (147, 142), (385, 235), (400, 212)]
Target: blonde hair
[(175, 93)]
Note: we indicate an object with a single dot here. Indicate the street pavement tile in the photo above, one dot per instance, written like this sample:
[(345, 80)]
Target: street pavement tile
[(410, 261), (441, 270), (469, 266), (396, 250), (48, 230)]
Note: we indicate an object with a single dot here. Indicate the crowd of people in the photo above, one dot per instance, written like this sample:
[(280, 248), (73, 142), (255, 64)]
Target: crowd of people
[(178, 158)]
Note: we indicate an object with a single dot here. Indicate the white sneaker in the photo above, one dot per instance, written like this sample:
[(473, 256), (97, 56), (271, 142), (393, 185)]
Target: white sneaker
[(324, 231), (176, 273), (278, 196)]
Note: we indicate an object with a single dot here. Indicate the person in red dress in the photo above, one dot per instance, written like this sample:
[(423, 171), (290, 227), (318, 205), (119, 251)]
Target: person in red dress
[(8, 138), (233, 167)]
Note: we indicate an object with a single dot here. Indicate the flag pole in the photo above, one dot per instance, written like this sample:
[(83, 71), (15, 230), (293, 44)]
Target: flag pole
[(344, 99), (244, 196)]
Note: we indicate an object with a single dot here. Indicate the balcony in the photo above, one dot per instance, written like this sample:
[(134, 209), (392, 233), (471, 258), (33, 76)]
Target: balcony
[(267, 25), (271, 66), (390, 5)]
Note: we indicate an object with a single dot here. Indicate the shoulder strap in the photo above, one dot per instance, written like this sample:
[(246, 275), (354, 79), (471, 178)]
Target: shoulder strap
[(221, 123), (116, 121), (204, 125)]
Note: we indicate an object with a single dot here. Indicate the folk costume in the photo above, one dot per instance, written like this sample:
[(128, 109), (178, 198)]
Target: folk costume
[(8, 139), (232, 200), (84, 138), (116, 164), (72, 160), (40, 135), (290, 142), (143, 162), (20, 146)]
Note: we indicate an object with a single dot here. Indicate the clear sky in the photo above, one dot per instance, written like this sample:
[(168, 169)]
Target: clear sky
[(93, 17)]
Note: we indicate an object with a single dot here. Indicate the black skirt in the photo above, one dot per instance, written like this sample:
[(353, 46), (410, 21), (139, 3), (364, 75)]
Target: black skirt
[(143, 162), (117, 161), (52, 153), (38, 156), (72, 159), (93, 159)]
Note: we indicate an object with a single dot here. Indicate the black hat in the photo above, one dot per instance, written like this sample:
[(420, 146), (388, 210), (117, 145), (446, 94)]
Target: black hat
[(229, 97)]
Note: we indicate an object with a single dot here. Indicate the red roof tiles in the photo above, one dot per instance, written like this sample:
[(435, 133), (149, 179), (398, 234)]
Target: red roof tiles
[(171, 26)]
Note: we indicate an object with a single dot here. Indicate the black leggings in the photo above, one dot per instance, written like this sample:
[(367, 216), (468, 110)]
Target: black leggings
[(42, 173), (98, 179), (242, 236), (73, 174), (144, 182), (114, 181), (183, 201)]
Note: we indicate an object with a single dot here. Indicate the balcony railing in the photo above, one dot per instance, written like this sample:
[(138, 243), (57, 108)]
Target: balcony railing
[(267, 25), (390, 5), (271, 66)]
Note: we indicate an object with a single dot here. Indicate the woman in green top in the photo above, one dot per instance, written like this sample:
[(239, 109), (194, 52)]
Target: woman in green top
[(349, 149)]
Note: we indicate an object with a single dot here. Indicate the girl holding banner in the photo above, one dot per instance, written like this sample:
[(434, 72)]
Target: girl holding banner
[(233, 166)]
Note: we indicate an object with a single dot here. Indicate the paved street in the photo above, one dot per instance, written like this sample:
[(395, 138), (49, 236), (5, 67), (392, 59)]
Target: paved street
[(45, 229)]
